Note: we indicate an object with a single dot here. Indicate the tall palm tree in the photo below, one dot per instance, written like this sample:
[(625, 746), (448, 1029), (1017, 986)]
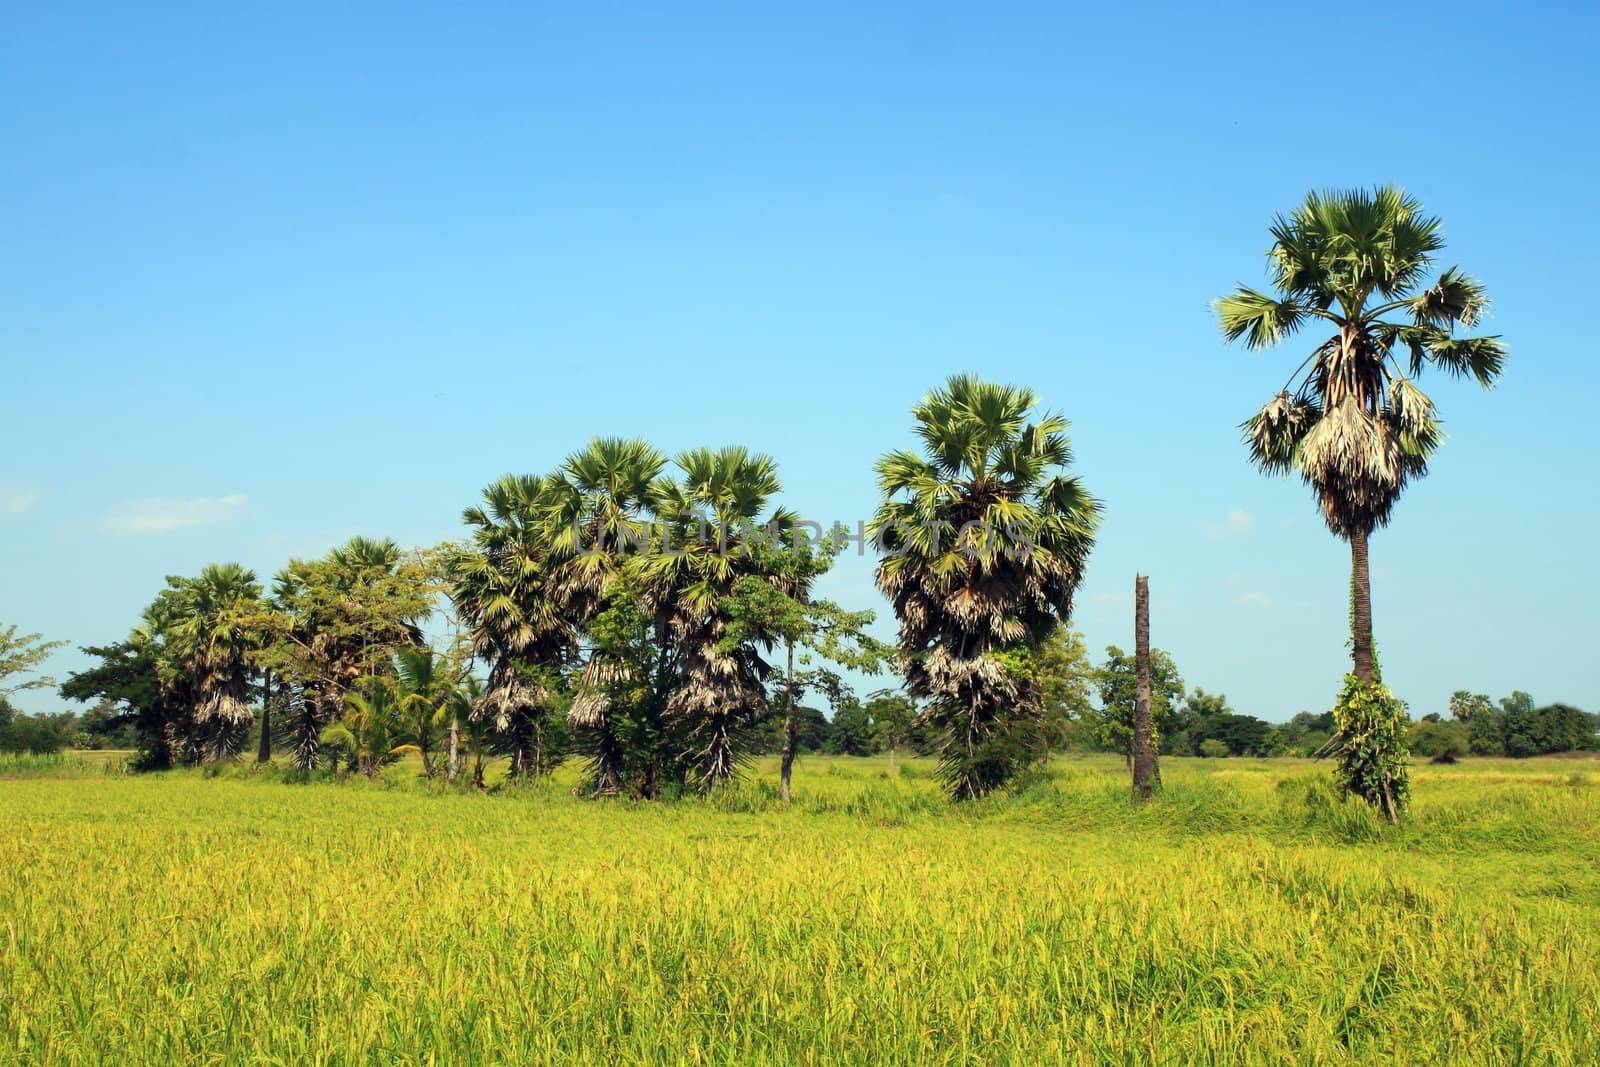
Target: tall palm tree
[(517, 618), (599, 511), (985, 538), (720, 687), (211, 629), (1351, 420)]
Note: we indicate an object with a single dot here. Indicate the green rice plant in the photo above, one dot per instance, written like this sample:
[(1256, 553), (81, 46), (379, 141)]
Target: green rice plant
[(1249, 915)]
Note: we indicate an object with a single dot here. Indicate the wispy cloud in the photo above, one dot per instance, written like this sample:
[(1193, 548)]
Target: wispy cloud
[(1236, 523), (1261, 600), (159, 515), (16, 501)]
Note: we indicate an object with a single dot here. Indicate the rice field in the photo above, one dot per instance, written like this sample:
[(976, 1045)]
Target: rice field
[(1249, 916)]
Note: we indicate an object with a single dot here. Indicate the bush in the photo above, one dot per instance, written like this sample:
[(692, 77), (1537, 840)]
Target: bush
[(1442, 742), (1212, 748), (1372, 748)]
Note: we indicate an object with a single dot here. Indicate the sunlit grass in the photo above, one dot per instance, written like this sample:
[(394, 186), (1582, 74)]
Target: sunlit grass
[(1248, 916)]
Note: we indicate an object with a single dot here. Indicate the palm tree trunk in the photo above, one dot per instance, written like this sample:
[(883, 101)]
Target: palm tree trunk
[(791, 735), (1146, 776), (455, 748), (1361, 611), (264, 750)]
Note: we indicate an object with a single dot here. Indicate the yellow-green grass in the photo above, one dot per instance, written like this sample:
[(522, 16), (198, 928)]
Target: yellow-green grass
[(1248, 916)]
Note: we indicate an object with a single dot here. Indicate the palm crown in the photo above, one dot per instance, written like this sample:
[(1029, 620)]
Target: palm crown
[(1351, 420)]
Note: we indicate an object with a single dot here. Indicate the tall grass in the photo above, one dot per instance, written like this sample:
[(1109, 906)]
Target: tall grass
[(1249, 916)]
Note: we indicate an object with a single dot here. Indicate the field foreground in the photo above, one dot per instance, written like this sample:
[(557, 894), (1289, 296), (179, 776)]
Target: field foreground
[(1248, 916)]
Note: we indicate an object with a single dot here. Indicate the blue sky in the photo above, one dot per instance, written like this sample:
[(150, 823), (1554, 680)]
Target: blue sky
[(274, 276)]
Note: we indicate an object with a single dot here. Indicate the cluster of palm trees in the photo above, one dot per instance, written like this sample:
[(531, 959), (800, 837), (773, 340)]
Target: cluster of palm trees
[(636, 602)]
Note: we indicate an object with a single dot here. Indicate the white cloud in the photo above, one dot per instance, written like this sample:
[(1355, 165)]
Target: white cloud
[(1258, 599), (1236, 523), (16, 501), (159, 515)]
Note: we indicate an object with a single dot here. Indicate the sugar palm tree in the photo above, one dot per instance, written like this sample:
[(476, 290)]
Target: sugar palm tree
[(210, 629), (598, 513), (1350, 421), (517, 619), (721, 495), (985, 538)]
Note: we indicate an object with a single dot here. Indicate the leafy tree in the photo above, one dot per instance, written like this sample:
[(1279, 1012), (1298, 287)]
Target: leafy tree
[(851, 733), (1486, 732), (21, 655), (1562, 728), (1117, 681), (105, 726), (338, 619), (1306, 733), (893, 715), (985, 537), (1518, 703), (778, 604), (1442, 742), (1213, 748), (127, 677), (1067, 682)]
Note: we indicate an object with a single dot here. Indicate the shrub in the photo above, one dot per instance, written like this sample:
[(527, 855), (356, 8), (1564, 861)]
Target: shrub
[(1442, 742), (1372, 748), (1212, 748)]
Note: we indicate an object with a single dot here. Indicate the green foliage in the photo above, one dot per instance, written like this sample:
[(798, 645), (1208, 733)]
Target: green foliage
[(985, 536), (20, 655), (1351, 421), (1465, 706), (1442, 742), (1370, 725), (1515, 727), (1213, 748), (1117, 679), (35, 734)]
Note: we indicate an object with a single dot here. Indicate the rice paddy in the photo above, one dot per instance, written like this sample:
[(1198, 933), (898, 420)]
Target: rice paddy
[(1249, 916)]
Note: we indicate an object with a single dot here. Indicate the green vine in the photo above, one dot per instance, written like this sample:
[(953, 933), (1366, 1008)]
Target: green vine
[(1373, 759)]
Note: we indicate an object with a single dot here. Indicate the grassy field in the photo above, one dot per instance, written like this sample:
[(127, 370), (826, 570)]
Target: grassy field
[(1249, 916)]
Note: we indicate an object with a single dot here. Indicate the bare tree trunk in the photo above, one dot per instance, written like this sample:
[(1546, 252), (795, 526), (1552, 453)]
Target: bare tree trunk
[(1361, 611), (791, 735), (1146, 774), (264, 750), (455, 749)]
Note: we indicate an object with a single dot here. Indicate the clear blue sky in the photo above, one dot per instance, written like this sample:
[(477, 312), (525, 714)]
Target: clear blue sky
[(276, 275)]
